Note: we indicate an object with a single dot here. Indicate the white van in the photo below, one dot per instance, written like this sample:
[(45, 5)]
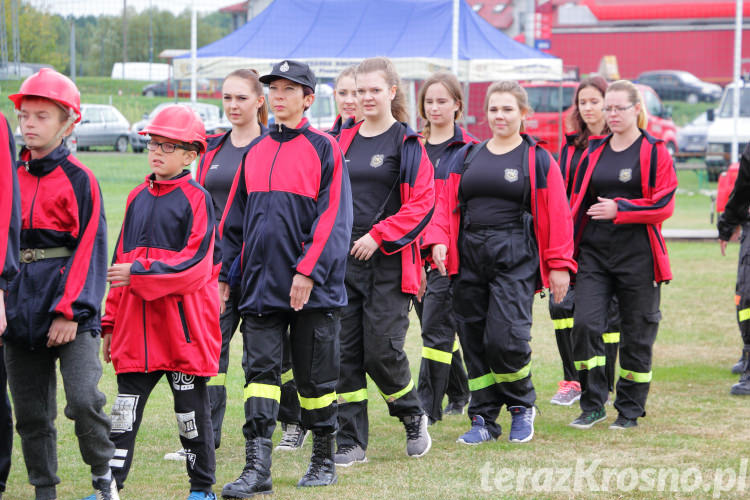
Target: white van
[(322, 114), (721, 129)]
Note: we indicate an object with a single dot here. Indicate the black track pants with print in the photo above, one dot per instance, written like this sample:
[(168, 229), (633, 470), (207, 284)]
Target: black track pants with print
[(193, 413)]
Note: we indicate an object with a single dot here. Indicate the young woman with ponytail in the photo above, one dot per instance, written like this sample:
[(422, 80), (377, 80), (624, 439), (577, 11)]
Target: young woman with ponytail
[(392, 189), (623, 191), (345, 94)]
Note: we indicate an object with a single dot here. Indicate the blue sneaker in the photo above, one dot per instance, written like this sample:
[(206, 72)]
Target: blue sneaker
[(478, 433), (522, 424), (201, 495)]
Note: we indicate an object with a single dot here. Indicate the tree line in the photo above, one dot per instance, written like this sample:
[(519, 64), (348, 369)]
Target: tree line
[(45, 37)]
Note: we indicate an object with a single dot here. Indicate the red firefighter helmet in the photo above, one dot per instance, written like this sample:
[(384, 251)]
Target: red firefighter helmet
[(54, 86), (178, 122)]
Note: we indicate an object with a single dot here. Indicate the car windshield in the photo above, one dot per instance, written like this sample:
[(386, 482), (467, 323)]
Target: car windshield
[(547, 99), (726, 105), (689, 77)]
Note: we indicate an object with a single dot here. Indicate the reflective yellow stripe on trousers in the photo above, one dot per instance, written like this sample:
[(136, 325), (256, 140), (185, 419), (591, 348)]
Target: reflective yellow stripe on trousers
[(316, 403), (562, 323), (287, 376), (353, 397), (488, 379), (254, 390), (636, 376), (743, 314), (219, 379), (588, 364), (392, 397), (611, 337), (436, 355)]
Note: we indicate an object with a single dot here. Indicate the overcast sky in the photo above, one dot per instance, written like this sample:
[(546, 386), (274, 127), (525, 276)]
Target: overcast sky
[(114, 7)]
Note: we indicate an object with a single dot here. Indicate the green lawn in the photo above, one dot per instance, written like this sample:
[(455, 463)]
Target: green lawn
[(693, 424)]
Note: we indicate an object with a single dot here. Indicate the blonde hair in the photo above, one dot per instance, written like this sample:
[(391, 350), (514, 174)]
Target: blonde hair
[(634, 96), (385, 66), (513, 88), (450, 82)]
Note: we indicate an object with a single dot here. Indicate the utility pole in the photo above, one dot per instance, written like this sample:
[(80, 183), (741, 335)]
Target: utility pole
[(16, 40), (3, 38), (124, 36), (737, 79), (150, 38), (72, 48)]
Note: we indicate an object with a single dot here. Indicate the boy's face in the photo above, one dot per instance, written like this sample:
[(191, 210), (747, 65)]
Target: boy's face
[(167, 165), (40, 121)]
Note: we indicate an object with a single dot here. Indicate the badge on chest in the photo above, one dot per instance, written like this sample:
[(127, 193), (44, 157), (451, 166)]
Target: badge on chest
[(626, 174), (377, 160), (511, 174)]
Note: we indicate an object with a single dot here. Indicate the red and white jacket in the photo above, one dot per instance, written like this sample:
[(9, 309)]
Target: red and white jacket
[(401, 232), (658, 185), (167, 318), (549, 208)]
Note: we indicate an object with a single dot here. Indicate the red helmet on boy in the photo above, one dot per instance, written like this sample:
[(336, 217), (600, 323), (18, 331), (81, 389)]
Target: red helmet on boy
[(178, 122), (52, 85)]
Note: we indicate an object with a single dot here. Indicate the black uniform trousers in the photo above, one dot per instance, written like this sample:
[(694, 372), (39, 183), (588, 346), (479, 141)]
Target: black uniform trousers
[(441, 370), (742, 294), (192, 410), (373, 332), (289, 411), (562, 320), (6, 423), (314, 345), (493, 299), (615, 260)]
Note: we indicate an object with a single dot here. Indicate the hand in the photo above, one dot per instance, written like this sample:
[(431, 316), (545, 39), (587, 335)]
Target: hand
[(223, 296), (439, 252), (61, 331), (119, 274), (106, 347), (559, 280), (606, 209), (364, 247), (3, 319), (735, 236), (300, 292), (422, 286)]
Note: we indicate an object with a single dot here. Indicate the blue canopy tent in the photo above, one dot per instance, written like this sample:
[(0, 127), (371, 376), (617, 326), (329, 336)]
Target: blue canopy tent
[(332, 34)]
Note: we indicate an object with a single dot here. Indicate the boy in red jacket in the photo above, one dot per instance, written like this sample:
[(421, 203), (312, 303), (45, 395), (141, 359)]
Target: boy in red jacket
[(162, 311)]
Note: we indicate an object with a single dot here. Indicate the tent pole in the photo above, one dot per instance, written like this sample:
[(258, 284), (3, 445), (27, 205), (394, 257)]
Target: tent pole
[(454, 46), (193, 53), (737, 78)]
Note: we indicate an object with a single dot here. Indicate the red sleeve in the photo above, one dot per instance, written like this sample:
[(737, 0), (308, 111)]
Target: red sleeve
[(418, 201), (558, 249), (186, 271), (10, 207), (658, 205)]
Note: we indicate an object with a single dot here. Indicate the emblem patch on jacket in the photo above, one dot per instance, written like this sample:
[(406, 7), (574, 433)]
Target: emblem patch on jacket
[(377, 161), (625, 174), (511, 174)]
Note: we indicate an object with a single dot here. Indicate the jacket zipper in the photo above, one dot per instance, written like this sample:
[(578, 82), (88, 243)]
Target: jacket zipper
[(33, 201), (145, 338), (263, 239), (181, 310)]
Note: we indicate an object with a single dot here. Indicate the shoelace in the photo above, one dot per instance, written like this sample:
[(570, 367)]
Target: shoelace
[(252, 450), (290, 438), (346, 449), (564, 387), (317, 461), (412, 429)]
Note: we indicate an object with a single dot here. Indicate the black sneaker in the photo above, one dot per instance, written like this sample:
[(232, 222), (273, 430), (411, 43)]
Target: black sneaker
[(587, 419), (622, 422), (742, 388), (738, 367), (454, 408)]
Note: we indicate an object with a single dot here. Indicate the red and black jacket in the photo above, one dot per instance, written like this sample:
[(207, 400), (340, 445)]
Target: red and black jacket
[(289, 211), (442, 170), (61, 206), (553, 227), (10, 206), (736, 210), (402, 231), (214, 144), (339, 124), (571, 158), (658, 186), (167, 318)]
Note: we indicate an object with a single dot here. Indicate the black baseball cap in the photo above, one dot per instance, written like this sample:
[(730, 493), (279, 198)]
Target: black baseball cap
[(295, 71)]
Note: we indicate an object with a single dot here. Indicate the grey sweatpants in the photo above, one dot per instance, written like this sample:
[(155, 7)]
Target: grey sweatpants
[(32, 382)]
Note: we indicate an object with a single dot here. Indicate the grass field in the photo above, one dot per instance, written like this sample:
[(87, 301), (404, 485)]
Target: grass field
[(693, 425)]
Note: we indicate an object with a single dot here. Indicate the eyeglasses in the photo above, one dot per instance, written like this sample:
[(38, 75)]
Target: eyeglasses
[(167, 147), (617, 109)]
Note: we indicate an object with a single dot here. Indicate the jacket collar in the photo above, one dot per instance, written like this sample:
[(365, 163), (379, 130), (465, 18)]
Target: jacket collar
[(282, 133), (43, 166), (165, 186)]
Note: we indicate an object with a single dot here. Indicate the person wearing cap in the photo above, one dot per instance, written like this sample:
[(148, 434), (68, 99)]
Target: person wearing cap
[(10, 224), (53, 304), (289, 217), (162, 311)]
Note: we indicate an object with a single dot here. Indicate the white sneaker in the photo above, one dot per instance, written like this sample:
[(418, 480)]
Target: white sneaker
[(177, 456)]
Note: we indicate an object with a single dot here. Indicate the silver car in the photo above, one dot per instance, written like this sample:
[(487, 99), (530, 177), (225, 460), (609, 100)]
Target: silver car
[(692, 137), (102, 125), (213, 120)]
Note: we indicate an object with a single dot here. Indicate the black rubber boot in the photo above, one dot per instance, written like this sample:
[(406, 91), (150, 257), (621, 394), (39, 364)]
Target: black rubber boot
[(742, 388), (255, 478), (322, 469)]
